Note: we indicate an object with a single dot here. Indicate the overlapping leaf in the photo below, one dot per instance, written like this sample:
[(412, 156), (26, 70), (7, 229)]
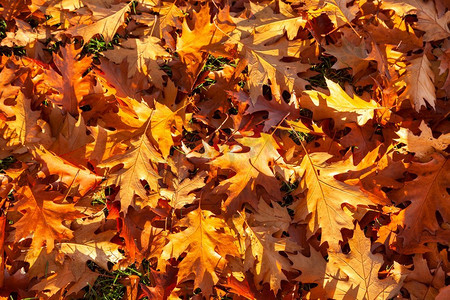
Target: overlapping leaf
[(226, 149)]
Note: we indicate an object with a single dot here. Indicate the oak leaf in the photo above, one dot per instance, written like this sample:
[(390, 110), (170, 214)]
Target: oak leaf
[(182, 193), (428, 195), (419, 83), (12, 8), (206, 248), (105, 21), (302, 126), (162, 121), (444, 293), (78, 180), (85, 246), (266, 64), (116, 81), (261, 252), (7, 77), (90, 246), (147, 133), (349, 55), (263, 18), (362, 139), (424, 144), (171, 18), (69, 82), (273, 215), (43, 217), (340, 106), (433, 23), (192, 46), (164, 284), (225, 80), (24, 36), (423, 282), (139, 164), (314, 269), (277, 110), (382, 34), (339, 11), (252, 169), (72, 140), (328, 202), (51, 285), (24, 128), (269, 55), (362, 267), (142, 56)]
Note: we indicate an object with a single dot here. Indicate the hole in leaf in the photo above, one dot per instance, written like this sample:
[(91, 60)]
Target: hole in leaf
[(286, 96), (86, 108), (439, 218), (267, 92), (216, 115), (345, 248)]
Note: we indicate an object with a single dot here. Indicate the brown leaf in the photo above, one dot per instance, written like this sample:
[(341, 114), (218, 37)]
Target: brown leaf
[(428, 196), (419, 83), (422, 282), (191, 46)]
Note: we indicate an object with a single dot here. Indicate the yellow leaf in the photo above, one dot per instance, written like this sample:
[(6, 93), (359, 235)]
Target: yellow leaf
[(104, 21), (322, 208), (424, 144), (419, 83), (362, 267), (339, 105), (252, 169)]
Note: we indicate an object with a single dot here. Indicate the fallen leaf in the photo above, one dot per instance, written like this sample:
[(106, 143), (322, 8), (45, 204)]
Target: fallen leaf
[(206, 248)]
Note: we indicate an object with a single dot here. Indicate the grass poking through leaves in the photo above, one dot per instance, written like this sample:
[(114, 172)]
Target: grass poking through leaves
[(97, 45), (110, 285), (212, 64), (325, 70)]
